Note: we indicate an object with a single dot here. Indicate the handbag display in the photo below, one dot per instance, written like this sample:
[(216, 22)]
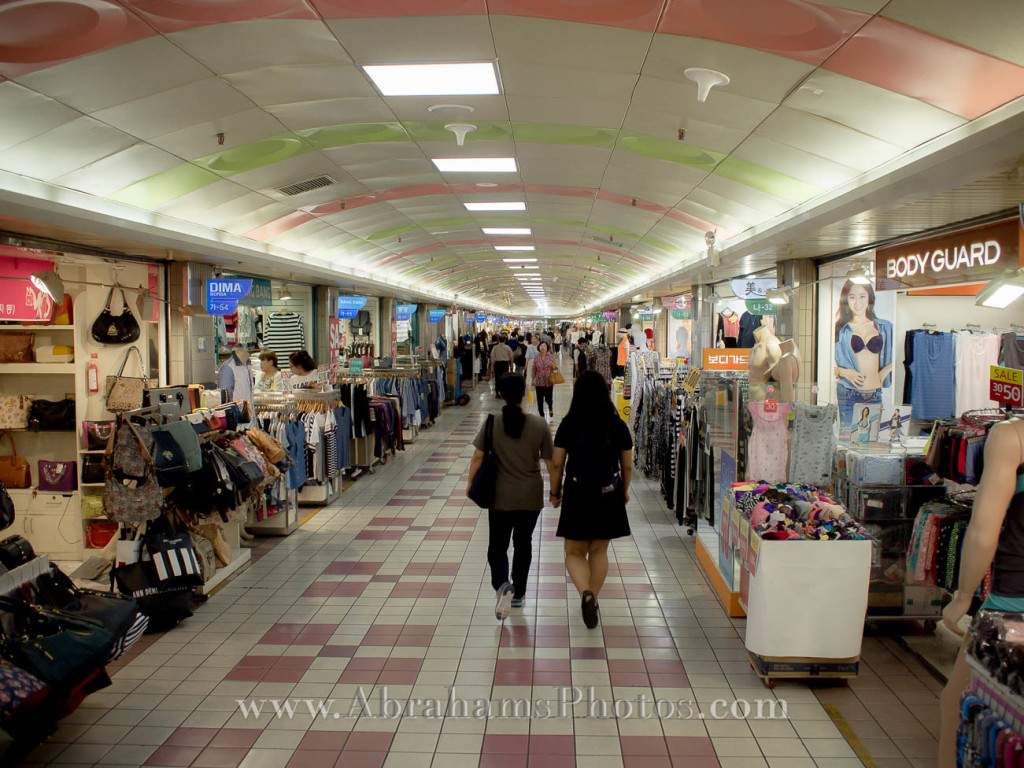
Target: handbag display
[(481, 491), (99, 533), (125, 393), (6, 508), (131, 496), (52, 415), (181, 432), (58, 476), (14, 411), (165, 605), (169, 459), (14, 469), (97, 434), (15, 551), (109, 328), (173, 402), (20, 691), (92, 506), (246, 475), (93, 472), (16, 347), (173, 558), (270, 447), (206, 555), (214, 533)]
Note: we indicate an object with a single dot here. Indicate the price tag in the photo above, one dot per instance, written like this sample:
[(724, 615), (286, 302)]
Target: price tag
[(771, 406), (355, 366), (692, 380), (753, 551), (744, 540), (1006, 385)]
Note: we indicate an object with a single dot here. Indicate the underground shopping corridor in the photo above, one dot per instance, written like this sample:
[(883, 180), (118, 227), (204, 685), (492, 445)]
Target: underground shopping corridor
[(385, 598)]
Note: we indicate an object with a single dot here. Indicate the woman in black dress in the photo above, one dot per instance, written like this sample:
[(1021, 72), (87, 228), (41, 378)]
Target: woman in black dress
[(594, 448)]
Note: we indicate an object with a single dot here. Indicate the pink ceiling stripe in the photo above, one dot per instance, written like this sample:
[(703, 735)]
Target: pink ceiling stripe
[(625, 14), (278, 226), (908, 61), (177, 15), (355, 9), (509, 241)]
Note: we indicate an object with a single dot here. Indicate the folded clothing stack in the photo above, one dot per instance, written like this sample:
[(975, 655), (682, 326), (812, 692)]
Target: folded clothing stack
[(795, 512)]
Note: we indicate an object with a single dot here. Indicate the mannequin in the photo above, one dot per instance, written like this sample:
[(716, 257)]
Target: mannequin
[(235, 375), (764, 356), (787, 371), (994, 536)]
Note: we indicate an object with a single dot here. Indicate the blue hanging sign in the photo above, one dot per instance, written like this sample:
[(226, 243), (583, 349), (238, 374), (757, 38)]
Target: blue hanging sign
[(260, 295), (471, 318), (349, 306), (437, 315), (223, 294), (405, 311)]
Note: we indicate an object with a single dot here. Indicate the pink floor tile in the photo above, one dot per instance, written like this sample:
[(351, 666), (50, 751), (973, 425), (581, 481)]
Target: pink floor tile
[(626, 679), (552, 745), (349, 589), (690, 746), (643, 745), (669, 681), (357, 677), (174, 756), (247, 675), (709, 762), (503, 761), (363, 759), (191, 737), (324, 740), (506, 744), (587, 653), (552, 678), (283, 676), (368, 741), (311, 758), (397, 678), (644, 761), (627, 665), (541, 760), (212, 757)]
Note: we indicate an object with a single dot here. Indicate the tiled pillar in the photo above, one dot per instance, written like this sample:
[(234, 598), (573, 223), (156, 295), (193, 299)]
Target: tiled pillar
[(797, 319)]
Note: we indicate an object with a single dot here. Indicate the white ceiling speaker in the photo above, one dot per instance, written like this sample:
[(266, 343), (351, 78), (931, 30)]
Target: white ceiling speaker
[(706, 79), (453, 107), (460, 130)]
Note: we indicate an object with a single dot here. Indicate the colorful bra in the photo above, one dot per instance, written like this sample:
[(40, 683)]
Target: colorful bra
[(874, 344)]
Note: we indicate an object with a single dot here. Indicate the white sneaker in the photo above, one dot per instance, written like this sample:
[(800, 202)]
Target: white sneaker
[(503, 607)]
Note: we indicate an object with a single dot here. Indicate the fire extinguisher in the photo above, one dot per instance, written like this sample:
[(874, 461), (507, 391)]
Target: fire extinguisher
[(93, 375)]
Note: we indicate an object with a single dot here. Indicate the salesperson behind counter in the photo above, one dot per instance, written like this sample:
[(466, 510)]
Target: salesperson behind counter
[(303, 370)]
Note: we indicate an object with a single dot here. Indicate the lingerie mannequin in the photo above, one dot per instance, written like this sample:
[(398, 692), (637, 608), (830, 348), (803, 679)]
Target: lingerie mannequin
[(764, 356), (787, 371), (994, 537)]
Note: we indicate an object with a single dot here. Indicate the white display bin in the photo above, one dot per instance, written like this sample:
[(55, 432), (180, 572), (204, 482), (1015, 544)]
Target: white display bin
[(808, 599)]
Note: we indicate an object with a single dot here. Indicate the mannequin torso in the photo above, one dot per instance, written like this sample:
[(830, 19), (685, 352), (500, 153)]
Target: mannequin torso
[(765, 354), (787, 371)]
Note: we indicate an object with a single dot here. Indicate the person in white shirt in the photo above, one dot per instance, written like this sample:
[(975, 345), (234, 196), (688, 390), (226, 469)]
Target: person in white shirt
[(558, 341), (270, 379)]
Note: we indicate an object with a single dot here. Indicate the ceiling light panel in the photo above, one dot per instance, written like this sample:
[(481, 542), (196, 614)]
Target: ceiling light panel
[(518, 261), (475, 164), (469, 79), (514, 248), (507, 230), (495, 206)]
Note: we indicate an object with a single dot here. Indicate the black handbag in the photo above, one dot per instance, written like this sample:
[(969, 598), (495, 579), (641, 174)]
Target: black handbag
[(169, 460), (481, 490), (164, 604), (6, 508), (245, 474), (173, 557), (51, 415), (172, 401), (97, 434), (15, 551), (93, 471), (360, 324), (109, 328)]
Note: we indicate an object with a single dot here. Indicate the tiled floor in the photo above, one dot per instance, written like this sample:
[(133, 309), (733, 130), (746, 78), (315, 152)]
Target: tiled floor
[(368, 639)]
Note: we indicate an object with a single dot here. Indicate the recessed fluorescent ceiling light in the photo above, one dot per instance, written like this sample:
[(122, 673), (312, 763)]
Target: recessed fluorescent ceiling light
[(470, 79), (475, 164), (514, 248), (518, 261), (495, 206), (506, 230)]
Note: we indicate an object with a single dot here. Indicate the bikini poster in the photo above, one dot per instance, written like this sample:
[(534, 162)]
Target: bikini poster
[(858, 323)]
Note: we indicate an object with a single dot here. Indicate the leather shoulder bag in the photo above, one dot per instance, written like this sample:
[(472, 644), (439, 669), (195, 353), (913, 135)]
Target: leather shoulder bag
[(109, 328), (125, 393)]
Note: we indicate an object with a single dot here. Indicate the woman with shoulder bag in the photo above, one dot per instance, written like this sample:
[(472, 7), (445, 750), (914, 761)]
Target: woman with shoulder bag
[(520, 441), (595, 450), (545, 365)]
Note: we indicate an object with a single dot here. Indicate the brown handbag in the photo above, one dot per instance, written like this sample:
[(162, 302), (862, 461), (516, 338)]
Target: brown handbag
[(14, 469), (125, 393), (16, 347)]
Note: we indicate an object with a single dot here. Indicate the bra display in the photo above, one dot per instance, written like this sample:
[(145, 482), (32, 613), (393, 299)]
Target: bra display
[(874, 344)]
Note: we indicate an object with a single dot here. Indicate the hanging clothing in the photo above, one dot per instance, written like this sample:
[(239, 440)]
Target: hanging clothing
[(812, 444), (767, 447), (974, 354), (284, 333), (748, 324), (1011, 351), (934, 393), (236, 377)]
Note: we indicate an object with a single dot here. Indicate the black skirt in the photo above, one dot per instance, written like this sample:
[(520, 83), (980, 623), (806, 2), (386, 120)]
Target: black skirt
[(587, 515)]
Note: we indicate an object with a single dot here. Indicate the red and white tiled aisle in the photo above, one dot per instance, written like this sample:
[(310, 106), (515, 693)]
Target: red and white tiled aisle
[(389, 589)]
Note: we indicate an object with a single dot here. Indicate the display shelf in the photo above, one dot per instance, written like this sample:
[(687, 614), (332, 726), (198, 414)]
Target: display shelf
[(37, 328), (1010, 705), (33, 569), (64, 369), (239, 557)]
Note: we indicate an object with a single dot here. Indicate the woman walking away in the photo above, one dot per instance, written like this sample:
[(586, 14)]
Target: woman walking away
[(543, 366), (501, 362), (596, 488), (520, 440)]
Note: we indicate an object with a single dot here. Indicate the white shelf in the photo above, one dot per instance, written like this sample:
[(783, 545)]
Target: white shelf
[(37, 328), (239, 557), (65, 369)]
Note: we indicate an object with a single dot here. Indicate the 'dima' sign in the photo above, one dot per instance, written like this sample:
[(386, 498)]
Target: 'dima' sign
[(223, 294)]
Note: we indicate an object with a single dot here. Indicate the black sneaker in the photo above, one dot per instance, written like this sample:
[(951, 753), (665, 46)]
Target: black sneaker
[(588, 605)]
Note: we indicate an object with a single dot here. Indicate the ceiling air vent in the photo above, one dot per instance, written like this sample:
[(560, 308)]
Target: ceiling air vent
[(317, 182)]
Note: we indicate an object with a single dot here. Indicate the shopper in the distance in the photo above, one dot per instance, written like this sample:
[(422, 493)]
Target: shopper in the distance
[(543, 366), (303, 368), (594, 448), (558, 342), (270, 379), (501, 362), (520, 441)]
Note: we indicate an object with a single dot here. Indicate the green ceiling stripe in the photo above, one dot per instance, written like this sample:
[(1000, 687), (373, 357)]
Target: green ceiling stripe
[(333, 136), (253, 155), (165, 186), (766, 180)]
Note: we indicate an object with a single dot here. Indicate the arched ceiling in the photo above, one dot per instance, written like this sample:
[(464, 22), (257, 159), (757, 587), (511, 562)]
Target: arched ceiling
[(189, 115)]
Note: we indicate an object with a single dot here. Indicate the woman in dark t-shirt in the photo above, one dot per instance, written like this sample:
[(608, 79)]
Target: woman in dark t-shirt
[(593, 448)]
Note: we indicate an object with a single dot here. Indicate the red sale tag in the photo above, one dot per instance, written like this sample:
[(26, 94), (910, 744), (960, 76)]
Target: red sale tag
[(771, 406), (1006, 385)]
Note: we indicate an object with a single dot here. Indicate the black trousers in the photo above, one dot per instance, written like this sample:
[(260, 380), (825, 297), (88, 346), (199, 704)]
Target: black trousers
[(501, 367), (545, 393), (517, 526)]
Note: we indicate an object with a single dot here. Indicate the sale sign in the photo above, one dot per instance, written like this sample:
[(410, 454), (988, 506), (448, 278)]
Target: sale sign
[(1006, 385), (19, 299)]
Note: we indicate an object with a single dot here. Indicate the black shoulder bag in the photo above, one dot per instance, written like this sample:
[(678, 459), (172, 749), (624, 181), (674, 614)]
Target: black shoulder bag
[(109, 328), (481, 491)]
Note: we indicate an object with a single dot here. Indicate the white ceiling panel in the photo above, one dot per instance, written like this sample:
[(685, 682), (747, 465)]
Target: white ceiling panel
[(201, 140), (119, 170), (991, 26), (600, 114), (175, 109), (826, 138), (722, 211), (263, 43), (652, 173), (216, 204), (417, 40), (295, 84), (64, 149), (745, 195), (409, 108), (307, 115), (676, 96), (27, 114), (585, 46), (305, 237), (523, 78), (794, 162), (888, 116), (754, 74), (395, 176), (664, 125), (572, 173), (120, 74), (284, 172), (256, 218)]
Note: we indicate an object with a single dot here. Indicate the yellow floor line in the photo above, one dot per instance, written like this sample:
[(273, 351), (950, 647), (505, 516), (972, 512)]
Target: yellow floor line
[(851, 738), (311, 515)]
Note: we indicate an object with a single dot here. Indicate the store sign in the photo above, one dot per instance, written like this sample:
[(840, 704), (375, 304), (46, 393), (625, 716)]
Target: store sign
[(682, 314), (956, 258), (355, 366), (755, 288), (760, 307), (471, 318), (405, 311), (223, 294), (726, 359), (260, 295), (349, 306), (1006, 385), (335, 338), (646, 317), (613, 316), (19, 299), (437, 315)]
